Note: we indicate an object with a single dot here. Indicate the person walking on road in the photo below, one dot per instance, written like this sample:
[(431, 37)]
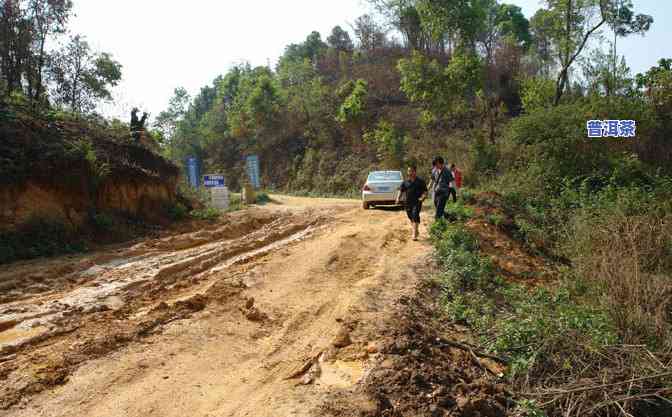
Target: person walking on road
[(457, 174), (431, 179), (441, 179), (452, 190), (415, 189)]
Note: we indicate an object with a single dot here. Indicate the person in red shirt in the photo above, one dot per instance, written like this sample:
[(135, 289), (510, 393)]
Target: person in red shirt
[(457, 174), (415, 189)]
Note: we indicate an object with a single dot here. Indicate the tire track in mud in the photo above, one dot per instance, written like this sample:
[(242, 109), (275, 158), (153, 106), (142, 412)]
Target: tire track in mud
[(268, 311), (27, 280), (45, 338)]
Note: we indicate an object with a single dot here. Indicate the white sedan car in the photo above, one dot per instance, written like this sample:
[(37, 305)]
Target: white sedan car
[(381, 188)]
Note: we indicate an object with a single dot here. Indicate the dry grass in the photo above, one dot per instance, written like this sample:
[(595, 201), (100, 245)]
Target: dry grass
[(620, 380), (630, 259)]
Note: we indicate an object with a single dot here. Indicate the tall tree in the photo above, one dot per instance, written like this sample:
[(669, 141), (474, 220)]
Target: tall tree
[(404, 17), (512, 22), (370, 34), (166, 122), (82, 77), (542, 27), (442, 91), (15, 44), (576, 22), (459, 19), (312, 48), (600, 76), (624, 22), (340, 40), (48, 18)]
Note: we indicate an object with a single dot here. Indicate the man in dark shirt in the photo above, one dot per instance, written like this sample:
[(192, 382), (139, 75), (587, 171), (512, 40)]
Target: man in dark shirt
[(416, 191), (441, 179)]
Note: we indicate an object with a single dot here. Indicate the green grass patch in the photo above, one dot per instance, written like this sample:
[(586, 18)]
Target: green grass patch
[(495, 219), (458, 212), (512, 320), (39, 237), (102, 222), (263, 198), (208, 213), (176, 212), (235, 203), (467, 195)]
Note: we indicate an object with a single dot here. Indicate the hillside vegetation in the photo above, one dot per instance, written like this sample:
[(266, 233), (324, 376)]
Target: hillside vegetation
[(559, 256), (68, 176), (507, 99), (66, 180)]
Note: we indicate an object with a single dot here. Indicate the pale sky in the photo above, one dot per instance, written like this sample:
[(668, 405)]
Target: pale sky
[(163, 44)]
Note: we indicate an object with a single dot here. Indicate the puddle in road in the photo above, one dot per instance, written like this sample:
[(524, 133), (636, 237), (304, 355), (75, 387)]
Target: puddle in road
[(105, 288), (263, 250), (341, 374), (19, 335)]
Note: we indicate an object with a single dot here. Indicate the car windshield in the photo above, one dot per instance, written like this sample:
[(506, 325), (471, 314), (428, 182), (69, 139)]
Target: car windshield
[(385, 176)]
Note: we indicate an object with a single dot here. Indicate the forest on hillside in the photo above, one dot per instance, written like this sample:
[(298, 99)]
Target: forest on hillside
[(512, 101), (69, 176), (563, 149), (419, 78), (45, 66)]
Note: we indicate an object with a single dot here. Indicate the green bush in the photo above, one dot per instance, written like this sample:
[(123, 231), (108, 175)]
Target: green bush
[(208, 213), (189, 195), (458, 212), (456, 250), (355, 95), (102, 221), (467, 195), (539, 315), (263, 198), (235, 203), (176, 212), (514, 320), (528, 408), (495, 219), (485, 158), (39, 237)]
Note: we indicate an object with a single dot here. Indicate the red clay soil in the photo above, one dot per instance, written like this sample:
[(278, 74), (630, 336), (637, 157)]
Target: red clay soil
[(514, 260), (420, 372)]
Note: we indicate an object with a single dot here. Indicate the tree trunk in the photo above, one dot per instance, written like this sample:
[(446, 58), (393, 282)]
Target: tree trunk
[(40, 64), (560, 85), (569, 58)]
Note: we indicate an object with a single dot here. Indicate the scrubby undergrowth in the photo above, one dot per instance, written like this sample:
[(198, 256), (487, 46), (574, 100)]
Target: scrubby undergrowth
[(589, 337), (68, 182)]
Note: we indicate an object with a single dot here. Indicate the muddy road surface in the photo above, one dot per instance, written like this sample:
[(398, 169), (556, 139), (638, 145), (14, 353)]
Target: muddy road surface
[(265, 313)]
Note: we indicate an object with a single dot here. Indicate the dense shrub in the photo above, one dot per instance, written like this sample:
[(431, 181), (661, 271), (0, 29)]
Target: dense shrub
[(176, 212), (37, 238), (263, 198), (208, 213), (102, 222), (513, 319), (616, 230)]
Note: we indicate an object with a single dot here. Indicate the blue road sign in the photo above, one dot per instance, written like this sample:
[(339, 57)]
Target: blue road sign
[(192, 171), (253, 170), (212, 181)]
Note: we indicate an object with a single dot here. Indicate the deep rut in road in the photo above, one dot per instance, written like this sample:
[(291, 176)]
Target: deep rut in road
[(100, 307), (262, 320)]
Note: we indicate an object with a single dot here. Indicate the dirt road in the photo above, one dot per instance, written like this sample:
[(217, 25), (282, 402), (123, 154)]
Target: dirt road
[(263, 314)]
